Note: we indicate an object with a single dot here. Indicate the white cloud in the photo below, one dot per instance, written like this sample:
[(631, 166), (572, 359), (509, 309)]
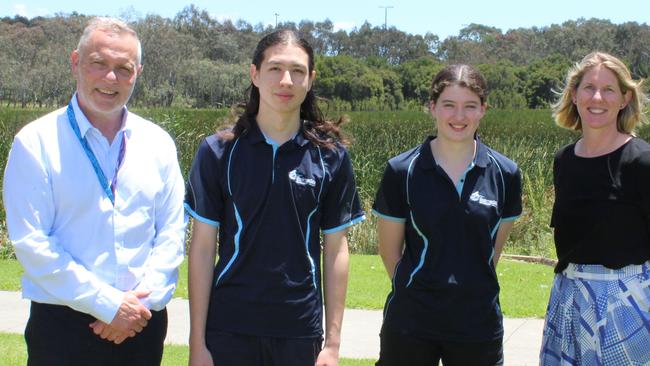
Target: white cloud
[(20, 9), (346, 26)]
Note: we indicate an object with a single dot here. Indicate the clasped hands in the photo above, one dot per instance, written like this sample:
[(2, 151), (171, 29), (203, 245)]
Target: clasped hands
[(131, 318)]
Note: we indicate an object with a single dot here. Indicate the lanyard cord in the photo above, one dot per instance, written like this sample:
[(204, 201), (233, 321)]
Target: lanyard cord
[(109, 188)]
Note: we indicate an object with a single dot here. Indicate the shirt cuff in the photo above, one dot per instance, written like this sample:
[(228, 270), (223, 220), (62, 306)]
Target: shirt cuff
[(108, 303), (198, 217), (346, 225), (389, 218)]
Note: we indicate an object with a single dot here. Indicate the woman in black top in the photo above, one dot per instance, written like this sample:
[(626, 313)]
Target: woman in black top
[(599, 310)]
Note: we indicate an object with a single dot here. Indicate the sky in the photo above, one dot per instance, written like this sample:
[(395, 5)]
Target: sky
[(412, 16)]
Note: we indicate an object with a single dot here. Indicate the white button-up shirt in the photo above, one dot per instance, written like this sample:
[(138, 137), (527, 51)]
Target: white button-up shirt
[(78, 249)]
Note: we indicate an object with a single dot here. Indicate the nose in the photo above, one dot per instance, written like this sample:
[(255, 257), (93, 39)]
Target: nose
[(460, 113), (286, 78), (111, 75), (597, 94)]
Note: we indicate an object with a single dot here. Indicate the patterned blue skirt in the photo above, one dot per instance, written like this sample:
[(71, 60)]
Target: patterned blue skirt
[(598, 316)]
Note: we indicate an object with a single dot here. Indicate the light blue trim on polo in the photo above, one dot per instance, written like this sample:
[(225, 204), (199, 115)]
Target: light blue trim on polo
[(496, 227), (492, 235), (389, 218), (408, 174), (415, 226), (461, 181), (275, 147), (503, 183), (346, 225), (511, 218), (199, 217), (229, 162), (312, 265), (240, 227), (424, 250), (394, 285)]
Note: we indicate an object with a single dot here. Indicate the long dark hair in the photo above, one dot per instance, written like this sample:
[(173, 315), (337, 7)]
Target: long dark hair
[(321, 132)]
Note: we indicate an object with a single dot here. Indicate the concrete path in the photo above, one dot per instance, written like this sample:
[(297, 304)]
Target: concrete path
[(360, 338)]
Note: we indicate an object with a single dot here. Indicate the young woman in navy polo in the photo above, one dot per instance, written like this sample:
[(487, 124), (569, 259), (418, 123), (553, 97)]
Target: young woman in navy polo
[(445, 210), (269, 187)]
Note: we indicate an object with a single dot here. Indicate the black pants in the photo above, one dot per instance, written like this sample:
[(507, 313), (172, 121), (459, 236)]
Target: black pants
[(60, 336), (229, 349), (400, 350)]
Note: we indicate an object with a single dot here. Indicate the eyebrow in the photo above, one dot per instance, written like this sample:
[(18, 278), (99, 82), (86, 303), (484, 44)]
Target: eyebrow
[(284, 63), (453, 101)]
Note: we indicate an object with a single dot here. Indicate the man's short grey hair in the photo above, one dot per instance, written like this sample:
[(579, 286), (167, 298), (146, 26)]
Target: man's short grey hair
[(110, 25)]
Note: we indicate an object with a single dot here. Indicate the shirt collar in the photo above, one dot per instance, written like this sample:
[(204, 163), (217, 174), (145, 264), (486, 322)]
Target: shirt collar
[(481, 158), (85, 125), (255, 135)]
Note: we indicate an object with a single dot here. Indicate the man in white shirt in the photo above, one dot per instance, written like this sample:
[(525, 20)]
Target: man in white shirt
[(94, 204)]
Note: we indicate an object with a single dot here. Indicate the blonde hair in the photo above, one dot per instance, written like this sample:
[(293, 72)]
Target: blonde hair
[(110, 25), (565, 111)]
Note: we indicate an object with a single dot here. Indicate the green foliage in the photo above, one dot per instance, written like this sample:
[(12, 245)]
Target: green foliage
[(196, 61)]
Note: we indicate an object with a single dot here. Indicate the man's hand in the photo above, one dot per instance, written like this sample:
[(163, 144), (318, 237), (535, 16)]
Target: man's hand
[(130, 319), (114, 336)]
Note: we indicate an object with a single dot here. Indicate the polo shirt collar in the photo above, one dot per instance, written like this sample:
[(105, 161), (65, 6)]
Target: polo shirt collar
[(85, 125), (255, 134), (481, 158)]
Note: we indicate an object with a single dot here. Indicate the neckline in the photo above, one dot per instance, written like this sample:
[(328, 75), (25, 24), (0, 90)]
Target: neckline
[(615, 151)]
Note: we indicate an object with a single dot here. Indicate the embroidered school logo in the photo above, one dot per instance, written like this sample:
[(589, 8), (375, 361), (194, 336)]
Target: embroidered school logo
[(300, 180), (477, 197)]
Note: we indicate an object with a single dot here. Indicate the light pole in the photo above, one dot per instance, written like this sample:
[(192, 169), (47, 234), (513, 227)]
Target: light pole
[(386, 15), (276, 19)]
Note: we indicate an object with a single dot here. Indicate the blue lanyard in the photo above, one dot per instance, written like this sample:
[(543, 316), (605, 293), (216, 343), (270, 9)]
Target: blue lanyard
[(109, 188)]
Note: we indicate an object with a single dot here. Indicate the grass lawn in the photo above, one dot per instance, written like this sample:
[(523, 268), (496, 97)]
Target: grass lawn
[(14, 353), (10, 271), (525, 287)]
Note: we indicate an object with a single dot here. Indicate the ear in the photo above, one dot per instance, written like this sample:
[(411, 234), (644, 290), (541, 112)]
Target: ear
[(574, 99), (254, 74), (432, 107), (74, 61), (483, 109), (138, 70), (312, 77), (627, 97)]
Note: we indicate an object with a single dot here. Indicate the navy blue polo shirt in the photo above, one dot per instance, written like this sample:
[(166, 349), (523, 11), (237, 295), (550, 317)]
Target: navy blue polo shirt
[(270, 203), (445, 285)]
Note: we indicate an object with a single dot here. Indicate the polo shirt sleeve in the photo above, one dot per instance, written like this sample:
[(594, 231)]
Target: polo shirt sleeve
[(203, 197), (390, 200), (512, 202), (341, 207)]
